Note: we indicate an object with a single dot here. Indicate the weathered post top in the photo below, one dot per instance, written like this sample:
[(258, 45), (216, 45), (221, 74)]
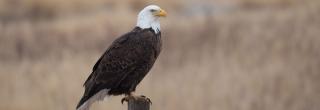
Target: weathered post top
[(137, 102)]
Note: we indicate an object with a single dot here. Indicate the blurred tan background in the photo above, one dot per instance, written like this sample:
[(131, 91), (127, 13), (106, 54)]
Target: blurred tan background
[(217, 54)]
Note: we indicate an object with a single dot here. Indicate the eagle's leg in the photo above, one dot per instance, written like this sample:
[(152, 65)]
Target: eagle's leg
[(134, 97)]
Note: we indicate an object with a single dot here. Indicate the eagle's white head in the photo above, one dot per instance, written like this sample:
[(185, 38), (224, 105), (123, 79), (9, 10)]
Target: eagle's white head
[(149, 17)]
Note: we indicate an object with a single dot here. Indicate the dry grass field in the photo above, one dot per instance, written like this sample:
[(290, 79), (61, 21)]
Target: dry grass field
[(217, 54)]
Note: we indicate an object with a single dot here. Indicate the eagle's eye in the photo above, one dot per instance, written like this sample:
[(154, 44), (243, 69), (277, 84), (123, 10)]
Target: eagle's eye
[(153, 10)]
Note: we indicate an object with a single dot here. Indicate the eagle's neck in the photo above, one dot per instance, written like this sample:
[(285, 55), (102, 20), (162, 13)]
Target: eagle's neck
[(148, 21)]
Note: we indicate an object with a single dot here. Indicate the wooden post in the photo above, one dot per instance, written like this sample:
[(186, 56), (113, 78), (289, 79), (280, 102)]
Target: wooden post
[(138, 103)]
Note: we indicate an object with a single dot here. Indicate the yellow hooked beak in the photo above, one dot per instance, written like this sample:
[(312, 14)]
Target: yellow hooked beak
[(161, 13)]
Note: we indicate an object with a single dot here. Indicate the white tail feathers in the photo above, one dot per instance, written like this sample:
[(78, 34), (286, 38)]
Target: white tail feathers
[(97, 97)]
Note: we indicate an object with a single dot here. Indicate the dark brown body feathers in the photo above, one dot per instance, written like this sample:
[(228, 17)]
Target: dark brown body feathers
[(124, 64)]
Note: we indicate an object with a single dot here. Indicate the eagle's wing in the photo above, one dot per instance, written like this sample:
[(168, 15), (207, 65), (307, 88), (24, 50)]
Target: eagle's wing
[(111, 68), (114, 65), (93, 69)]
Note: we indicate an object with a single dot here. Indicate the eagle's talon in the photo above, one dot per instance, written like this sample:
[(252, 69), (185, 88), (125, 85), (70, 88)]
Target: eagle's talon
[(149, 100), (125, 99), (128, 97), (132, 97)]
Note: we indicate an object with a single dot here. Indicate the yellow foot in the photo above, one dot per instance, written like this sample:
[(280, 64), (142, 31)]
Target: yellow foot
[(146, 98), (133, 97), (127, 98)]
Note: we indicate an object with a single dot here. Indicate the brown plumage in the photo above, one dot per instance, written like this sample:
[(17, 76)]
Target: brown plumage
[(124, 64)]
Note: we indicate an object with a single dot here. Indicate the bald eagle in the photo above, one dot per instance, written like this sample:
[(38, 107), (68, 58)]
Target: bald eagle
[(126, 62)]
